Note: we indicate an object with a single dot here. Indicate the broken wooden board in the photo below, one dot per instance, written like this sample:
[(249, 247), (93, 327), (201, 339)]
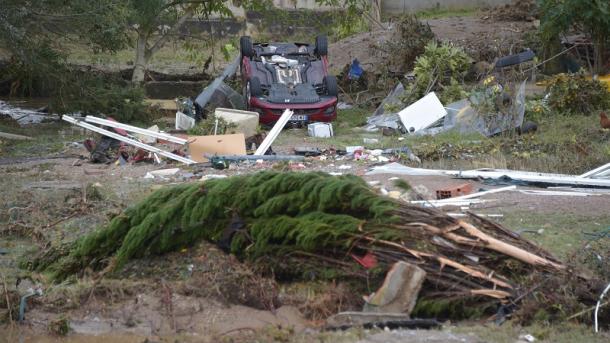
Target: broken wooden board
[(199, 146)]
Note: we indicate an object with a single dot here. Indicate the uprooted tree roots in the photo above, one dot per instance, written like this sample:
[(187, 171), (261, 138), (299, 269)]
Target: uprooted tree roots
[(318, 219)]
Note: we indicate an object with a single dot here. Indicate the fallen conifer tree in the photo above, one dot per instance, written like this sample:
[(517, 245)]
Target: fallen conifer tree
[(316, 217)]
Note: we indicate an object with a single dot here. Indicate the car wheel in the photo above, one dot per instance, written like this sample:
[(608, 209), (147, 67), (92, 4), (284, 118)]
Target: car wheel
[(245, 46), (253, 89), (321, 46), (332, 89)]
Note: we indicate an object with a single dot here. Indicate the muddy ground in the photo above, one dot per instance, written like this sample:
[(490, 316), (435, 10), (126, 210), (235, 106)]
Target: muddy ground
[(52, 193), (195, 295)]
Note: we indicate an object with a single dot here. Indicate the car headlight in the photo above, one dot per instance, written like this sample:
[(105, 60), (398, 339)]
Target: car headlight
[(330, 110)]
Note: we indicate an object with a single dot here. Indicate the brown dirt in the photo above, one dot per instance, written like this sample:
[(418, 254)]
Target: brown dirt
[(518, 10), (165, 296), (482, 39)]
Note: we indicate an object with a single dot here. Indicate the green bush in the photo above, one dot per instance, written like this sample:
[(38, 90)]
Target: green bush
[(98, 95), (574, 94), (441, 68)]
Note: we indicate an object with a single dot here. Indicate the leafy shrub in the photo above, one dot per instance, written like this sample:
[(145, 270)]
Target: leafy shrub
[(441, 68), (95, 95), (574, 94)]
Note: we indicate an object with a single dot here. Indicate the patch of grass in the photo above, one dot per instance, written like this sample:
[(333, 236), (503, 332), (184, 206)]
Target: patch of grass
[(175, 56), (562, 233), (347, 132), (446, 12), (47, 139), (570, 145), (564, 333)]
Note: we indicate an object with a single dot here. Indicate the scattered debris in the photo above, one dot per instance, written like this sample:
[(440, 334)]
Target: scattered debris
[(25, 116), (127, 140), (144, 132), (205, 96), (321, 229), (505, 176), (372, 320)]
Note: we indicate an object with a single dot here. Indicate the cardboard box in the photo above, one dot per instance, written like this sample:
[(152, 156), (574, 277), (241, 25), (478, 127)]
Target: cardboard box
[(216, 145)]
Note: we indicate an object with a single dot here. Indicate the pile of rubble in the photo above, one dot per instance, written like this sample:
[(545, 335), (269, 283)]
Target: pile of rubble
[(518, 10)]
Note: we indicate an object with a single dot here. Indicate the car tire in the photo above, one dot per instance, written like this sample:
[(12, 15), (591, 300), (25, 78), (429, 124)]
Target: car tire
[(254, 87), (245, 46), (321, 46), (330, 82)]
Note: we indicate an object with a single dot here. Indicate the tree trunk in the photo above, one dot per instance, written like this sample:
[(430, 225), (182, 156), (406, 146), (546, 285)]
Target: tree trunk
[(142, 57), (599, 49)]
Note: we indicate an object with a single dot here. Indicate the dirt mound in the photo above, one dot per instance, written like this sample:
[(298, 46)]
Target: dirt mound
[(366, 47), (393, 50), (518, 10), (483, 40)]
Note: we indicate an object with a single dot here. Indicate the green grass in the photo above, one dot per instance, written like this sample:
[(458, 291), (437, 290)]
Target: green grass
[(446, 12), (507, 333), (47, 139), (174, 56), (348, 130), (563, 234), (563, 144)]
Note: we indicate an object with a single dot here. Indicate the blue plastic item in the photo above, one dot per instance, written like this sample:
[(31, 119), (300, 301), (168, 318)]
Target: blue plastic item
[(355, 70)]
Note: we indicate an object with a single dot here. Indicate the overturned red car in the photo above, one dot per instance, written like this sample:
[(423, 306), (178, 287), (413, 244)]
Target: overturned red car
[(279, 76)]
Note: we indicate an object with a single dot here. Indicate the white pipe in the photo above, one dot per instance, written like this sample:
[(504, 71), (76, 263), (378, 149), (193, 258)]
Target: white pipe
[(127, 140), (598, 305), (595, 171), (476, 195), (275, 131), (160, 135)]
